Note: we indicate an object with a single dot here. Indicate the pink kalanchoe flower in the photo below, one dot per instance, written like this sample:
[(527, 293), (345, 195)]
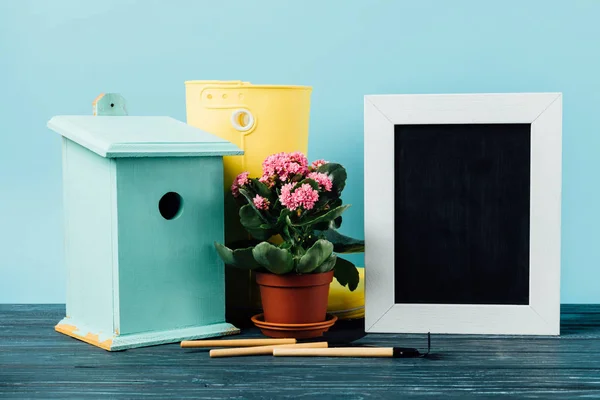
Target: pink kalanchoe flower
[(261, 203), (286, 198), (317, 163), (298, 164), (322, 179), (239, 181), (284, 166), (242, 179), (268, 180), (293, 168), (305, 196), (271, 165), (299, 158)]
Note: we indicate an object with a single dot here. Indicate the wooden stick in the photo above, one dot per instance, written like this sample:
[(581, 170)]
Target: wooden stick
[(235, 342), (336, 352), (262, 350)]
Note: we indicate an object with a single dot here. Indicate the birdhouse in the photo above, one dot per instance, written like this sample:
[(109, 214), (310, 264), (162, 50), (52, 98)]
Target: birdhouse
[(143, 204)]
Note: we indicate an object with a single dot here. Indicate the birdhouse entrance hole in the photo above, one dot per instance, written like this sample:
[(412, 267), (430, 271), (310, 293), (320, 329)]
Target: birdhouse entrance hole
[(170, 205)]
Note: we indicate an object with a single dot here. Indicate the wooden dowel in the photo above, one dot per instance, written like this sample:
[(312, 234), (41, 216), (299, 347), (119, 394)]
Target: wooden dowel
[(336, 352), (235, 342), (262, 350)]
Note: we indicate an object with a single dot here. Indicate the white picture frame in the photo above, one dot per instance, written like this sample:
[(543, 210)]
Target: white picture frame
[(544, 112)]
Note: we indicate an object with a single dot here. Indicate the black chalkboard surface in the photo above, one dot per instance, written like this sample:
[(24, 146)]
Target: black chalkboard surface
[(462, 213)]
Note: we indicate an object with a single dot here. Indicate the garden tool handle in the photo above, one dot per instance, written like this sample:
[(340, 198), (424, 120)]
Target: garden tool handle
[(336, 352), (235, 342), (262, 350)]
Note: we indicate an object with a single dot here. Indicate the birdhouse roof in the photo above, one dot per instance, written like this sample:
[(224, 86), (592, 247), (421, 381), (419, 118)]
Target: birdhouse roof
[(124, 136)]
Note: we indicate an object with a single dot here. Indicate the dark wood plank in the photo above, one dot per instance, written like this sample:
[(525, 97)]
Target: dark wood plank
[(36, 362)]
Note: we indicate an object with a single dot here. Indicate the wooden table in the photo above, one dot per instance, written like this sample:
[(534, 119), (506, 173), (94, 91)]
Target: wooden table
[(37, 362)]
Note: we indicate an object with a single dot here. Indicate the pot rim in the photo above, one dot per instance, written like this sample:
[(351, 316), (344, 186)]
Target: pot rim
[(294, 280), (259, 320)]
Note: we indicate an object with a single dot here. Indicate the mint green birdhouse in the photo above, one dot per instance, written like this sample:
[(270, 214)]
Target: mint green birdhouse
[(143, 204)]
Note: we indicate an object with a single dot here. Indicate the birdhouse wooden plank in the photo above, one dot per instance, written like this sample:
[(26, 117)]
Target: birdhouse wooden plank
[(143, 203)]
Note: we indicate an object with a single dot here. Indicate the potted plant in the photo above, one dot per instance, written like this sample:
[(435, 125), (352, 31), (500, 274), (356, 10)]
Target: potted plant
[(293, 211)]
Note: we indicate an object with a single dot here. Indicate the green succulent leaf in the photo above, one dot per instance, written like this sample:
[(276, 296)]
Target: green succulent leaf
[(326, 225), (328, 200), (328, 265), (249, 218), (316, 255), (336, 223), (248, 193), (321, 226), (276, 260), (240, 258), (250, 196), (254, 224), (309, 181), (337, 174), (284, 217), (335, 203), (225, 253), (324, 199), (342, 243), (326, 217), (346, 273), (288, 234), (285, 245), (262, 189)]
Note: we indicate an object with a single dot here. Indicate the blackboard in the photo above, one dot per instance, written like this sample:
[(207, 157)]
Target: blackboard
[(461, 213)]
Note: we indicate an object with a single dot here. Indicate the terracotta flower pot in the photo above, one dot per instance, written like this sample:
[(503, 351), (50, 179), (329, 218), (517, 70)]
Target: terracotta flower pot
[(294, 299)]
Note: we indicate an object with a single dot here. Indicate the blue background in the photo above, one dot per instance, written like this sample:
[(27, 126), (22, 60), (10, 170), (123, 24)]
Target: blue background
[(57, 56)]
